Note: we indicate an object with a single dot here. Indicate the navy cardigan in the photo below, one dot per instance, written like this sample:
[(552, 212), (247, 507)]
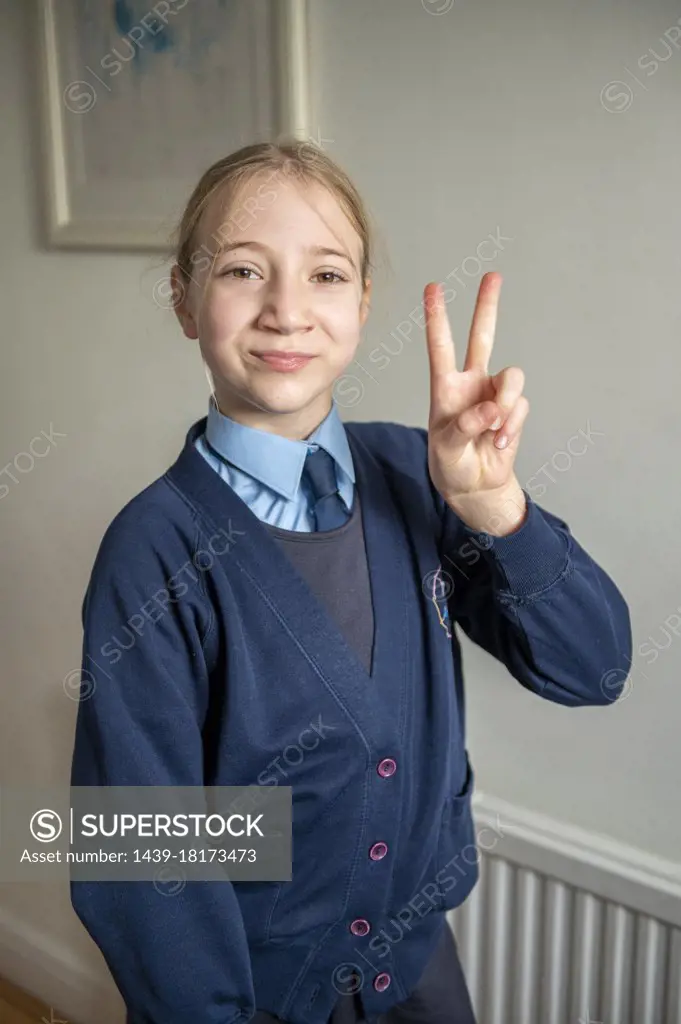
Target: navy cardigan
[(206, 657)]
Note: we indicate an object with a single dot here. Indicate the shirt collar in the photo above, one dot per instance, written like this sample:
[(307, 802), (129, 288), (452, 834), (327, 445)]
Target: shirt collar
[(276, 461)]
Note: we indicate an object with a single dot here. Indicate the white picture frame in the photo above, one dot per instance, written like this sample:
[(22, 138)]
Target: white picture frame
[(117, 178)]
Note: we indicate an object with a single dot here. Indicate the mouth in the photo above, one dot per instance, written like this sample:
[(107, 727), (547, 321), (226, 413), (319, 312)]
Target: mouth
[(284, 361)]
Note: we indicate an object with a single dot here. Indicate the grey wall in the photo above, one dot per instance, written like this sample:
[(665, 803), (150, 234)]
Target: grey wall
[(485, 118)]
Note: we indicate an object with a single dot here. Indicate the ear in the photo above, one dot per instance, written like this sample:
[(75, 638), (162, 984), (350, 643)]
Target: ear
[(181, 305), (365, 304)]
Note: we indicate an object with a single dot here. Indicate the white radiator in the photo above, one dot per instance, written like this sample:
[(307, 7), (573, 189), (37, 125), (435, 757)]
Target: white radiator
[(566, 926)]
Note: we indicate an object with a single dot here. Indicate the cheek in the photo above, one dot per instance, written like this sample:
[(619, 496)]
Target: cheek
[(222, 316), (342, 322)]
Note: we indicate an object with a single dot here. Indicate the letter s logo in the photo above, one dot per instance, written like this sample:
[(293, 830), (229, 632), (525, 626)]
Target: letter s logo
[(45, 826)]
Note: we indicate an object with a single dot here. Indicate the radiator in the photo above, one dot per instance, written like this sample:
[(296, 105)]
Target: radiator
[(566, 927)]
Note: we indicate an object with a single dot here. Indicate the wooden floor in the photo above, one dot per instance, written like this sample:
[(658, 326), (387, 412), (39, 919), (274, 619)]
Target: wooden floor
[(18, 1007)]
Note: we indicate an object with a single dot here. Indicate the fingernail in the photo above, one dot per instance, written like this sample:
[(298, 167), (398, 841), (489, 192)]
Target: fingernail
[(501, 442), (496, 424)]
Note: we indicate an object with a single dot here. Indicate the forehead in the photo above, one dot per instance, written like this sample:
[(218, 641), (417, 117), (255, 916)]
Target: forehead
[(282, 212)]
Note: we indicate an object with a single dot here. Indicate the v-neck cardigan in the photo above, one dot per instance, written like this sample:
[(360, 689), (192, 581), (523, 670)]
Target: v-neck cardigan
[(244, 659)]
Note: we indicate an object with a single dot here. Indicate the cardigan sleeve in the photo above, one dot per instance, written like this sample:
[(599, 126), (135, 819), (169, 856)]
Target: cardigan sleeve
[(182, 958), (540, 604)]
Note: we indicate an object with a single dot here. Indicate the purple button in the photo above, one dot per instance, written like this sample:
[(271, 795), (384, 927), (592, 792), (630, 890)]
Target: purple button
[(387, 767), (381, 982), (378, 851), (360, 926)]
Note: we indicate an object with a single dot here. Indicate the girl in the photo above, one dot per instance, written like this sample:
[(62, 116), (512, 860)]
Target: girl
[(316, 648)]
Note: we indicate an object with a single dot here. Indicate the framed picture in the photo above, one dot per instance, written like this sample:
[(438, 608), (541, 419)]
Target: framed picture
[(141, 96)]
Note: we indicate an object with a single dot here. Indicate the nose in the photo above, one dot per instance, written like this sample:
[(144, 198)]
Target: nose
[(284, 308)]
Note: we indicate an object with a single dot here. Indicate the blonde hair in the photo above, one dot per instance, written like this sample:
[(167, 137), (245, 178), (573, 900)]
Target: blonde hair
[(303, 161)]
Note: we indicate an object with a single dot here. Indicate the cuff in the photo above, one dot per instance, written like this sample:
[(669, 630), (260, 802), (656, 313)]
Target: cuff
[(532, 558)]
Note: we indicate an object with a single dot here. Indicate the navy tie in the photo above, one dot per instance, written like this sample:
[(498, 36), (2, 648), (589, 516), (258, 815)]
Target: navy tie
[(328, 507)]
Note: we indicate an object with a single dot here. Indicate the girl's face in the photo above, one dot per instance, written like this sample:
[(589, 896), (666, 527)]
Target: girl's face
[(288, 280)]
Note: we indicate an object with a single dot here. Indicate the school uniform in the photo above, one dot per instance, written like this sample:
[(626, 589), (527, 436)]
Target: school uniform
[(345, 634), (440, 995)]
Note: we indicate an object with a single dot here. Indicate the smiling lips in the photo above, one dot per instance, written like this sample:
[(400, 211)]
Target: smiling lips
[(284, 361)]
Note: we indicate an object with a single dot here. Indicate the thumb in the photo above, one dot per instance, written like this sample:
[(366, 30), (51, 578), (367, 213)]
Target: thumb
[(470, 424)]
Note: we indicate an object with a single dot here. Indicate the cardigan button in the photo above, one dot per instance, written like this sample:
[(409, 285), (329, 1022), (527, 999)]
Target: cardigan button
[(378, 851), (360, 926), (387, 767), (485, 540), (381, 982)]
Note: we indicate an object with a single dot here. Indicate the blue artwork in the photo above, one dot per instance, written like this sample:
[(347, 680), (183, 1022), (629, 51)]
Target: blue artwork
[(126, 18), (135, 33), (158, 75)]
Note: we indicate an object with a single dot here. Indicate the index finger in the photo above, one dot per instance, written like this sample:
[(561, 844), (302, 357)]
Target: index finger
[(441, 351), (483, 325)]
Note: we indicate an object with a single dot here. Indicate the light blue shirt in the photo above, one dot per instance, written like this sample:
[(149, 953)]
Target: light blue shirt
[(265, 469)]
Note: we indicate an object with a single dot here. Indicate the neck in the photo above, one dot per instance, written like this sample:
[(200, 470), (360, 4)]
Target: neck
[(295, 424)]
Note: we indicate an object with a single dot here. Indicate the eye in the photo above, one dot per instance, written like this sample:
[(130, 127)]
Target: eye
[(331, 273), (237, 270)]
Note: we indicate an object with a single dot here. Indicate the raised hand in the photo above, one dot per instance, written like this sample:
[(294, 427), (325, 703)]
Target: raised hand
[(475, 419)]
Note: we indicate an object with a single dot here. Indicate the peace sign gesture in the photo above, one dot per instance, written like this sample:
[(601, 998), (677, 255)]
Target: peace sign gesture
[(472, 412)]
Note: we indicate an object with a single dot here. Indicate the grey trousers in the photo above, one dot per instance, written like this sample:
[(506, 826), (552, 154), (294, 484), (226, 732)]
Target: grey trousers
[(440, 997)]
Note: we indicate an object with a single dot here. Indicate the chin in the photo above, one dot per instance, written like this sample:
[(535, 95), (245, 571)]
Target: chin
[(286, 398)]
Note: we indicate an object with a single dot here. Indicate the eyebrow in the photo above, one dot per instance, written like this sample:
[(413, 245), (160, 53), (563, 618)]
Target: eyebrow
[(314, 250)]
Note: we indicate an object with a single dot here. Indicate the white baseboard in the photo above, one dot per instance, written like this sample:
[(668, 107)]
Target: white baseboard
[(48, 970)]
